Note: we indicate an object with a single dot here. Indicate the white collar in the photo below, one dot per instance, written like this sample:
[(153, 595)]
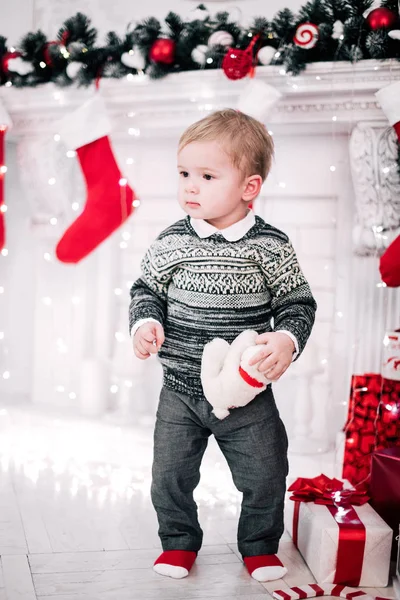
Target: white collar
[(233, 233)]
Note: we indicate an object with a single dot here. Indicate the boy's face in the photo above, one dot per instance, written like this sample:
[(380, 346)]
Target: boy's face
[(210, 187)]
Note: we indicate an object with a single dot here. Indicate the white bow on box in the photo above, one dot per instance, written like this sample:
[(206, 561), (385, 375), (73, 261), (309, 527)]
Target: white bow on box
[(227, 378)]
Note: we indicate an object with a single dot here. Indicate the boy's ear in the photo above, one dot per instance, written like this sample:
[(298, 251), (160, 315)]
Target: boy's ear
[(252, 187)]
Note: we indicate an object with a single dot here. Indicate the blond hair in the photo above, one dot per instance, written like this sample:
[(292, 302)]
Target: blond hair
[(244, 139)]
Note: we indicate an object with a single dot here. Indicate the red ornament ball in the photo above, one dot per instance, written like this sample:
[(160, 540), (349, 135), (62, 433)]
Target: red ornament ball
[(237, 63), (381, 18), (163, 51)]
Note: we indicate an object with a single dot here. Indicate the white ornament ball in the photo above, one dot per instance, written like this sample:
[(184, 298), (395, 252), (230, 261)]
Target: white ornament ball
[(220, 38), (133, 59), (17, 65), (75, 49), (266, 54), (338, 29), (199, 54), (394, 34), (73, 68)]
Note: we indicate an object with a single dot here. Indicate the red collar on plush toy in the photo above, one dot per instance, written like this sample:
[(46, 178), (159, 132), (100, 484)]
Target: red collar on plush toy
[(250, 380)]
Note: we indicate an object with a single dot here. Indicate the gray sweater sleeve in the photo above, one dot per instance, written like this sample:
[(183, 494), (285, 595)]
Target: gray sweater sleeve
[(292, 304), (149, 292)]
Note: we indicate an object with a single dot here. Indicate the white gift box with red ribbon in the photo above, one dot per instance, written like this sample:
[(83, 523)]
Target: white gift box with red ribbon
[(317, 535)]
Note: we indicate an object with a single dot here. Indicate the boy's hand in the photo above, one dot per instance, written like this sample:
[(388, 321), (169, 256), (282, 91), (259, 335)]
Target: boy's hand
[(276, 357), (148, 339)]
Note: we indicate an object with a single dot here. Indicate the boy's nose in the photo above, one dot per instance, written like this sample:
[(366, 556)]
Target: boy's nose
[(191, 187)]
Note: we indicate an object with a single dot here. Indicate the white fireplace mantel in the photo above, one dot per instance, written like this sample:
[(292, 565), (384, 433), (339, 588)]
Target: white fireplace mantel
[(310, 100), (319, 112)]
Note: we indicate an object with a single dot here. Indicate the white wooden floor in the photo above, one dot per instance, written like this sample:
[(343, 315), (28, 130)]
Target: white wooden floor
[(76, 521)]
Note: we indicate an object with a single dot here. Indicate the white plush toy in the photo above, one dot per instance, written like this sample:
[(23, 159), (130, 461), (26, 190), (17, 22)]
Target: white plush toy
[(227, 378)]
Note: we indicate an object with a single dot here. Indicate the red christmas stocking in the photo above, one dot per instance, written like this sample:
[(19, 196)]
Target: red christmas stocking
[(389, 99), (109, 198), (5, 123), (389, 264)]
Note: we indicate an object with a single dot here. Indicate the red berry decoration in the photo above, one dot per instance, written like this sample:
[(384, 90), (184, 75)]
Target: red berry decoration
[(238, 63), (163, 51), (381, 18)]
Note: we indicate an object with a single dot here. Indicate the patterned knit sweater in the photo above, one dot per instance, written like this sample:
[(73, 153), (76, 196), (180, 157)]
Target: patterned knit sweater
[(200, 289)]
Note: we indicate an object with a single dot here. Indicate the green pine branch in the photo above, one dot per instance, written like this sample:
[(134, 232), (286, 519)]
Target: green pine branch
[(78, 30), (316, 12), (49, 61)]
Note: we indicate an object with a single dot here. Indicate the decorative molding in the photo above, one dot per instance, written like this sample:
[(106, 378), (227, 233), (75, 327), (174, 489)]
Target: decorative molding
[(376, 181), (163, 107)]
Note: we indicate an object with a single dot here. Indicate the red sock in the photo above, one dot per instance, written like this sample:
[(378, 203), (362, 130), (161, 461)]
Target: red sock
[(109, 198), (265, 567), (177, 558), (263, 560)]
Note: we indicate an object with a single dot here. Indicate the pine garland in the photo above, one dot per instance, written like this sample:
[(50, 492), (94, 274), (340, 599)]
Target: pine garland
[(76, 42)]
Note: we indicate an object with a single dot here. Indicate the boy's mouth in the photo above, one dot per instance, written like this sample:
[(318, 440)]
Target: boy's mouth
[(193, 204)]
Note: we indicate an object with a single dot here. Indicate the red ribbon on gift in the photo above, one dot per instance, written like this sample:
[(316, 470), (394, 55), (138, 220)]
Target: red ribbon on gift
[(330, 492)]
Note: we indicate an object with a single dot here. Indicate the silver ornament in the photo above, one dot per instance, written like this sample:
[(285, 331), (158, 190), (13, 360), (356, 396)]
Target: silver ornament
[(73, 68), (266, 54), (133, 59), (338, 29), (17, 65), (75, 49), (199, 54), (220, 38)]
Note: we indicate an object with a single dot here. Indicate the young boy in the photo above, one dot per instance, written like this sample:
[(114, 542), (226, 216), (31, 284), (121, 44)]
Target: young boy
[(217, 272)]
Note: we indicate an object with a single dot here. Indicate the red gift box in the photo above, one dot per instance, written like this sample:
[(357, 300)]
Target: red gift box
[(373, 423), (385, 488)]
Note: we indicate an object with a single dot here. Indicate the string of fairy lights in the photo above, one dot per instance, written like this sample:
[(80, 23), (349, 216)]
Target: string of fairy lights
[(206, 103)]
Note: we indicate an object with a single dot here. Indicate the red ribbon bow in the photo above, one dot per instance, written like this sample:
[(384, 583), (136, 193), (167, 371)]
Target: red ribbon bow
[(330, 492), (324, 490)]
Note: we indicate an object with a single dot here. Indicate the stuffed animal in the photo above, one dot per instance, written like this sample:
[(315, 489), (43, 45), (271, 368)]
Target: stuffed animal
[(227, 378)]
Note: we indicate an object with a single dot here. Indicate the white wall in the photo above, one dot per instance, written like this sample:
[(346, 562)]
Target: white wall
[(17, 277), (314, 208)]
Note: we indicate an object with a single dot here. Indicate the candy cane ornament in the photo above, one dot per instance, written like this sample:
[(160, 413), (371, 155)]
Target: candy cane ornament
[(313, 590), (306, 36)]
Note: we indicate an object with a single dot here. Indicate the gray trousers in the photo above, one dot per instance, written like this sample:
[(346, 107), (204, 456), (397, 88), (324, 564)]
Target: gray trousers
[(254, 442)]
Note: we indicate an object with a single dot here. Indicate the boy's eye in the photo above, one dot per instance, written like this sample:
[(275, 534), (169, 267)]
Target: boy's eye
[(184, 173), (207, 177)]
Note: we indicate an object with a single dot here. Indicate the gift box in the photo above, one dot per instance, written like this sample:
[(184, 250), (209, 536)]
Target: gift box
[(396, 579), (372, 423), (384, 489), (340, 536)]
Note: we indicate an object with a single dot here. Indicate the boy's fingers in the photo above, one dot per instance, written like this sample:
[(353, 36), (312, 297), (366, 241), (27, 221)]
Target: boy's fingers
[(148, 336), (140, 354), (276, 373), (148, 347), (259, 356), (142, 346), (273, 373), (263, 338), (160, 337), (267, 365)]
